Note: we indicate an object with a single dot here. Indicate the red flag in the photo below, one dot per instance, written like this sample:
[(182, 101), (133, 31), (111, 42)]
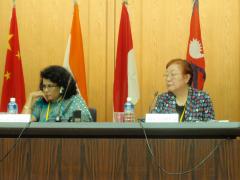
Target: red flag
[(195, 54), (13, 81), (74, 56), (125, 74)]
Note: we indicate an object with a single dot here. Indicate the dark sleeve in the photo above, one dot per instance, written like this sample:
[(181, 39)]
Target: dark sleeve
[(208, 111)]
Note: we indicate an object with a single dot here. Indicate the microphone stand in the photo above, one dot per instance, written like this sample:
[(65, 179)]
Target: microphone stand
[(150, 109), (58, 117)]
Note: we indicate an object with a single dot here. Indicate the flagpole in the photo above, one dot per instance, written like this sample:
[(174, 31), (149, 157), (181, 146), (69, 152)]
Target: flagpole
[(125, 2), (74, 1)]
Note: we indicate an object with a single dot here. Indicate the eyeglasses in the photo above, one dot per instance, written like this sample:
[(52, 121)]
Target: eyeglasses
[(171, 75), (48, 86)]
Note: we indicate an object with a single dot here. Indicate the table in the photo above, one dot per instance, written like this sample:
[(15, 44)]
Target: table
[(119, 151)]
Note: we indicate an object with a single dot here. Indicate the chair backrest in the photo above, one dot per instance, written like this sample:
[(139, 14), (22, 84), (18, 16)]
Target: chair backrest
[(93, 113)]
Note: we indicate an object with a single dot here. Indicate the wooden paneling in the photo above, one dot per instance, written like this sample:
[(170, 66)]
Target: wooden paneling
[(160, 31), (59, 158), (97, 81)]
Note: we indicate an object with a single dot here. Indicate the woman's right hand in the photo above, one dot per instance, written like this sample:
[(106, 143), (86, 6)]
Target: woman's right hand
[(35, 95), (32, 98)]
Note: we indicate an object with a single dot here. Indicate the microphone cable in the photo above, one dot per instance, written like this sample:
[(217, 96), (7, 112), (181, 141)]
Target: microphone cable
[(16, 142), (198, 165)]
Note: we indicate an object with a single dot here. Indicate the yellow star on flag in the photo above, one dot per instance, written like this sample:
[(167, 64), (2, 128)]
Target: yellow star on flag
[(7, 75), (9, 38)]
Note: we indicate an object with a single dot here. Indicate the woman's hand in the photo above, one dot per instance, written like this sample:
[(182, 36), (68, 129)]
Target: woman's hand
[(32, 98), (35, 95)]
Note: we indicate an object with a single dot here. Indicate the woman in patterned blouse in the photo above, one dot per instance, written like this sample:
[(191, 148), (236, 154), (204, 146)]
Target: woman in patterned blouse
[(191, 104), (57, 97)]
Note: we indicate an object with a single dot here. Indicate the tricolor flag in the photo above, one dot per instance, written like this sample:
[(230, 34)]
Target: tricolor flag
[(13, 80), (74, 56), (125, 74), (195, 54)]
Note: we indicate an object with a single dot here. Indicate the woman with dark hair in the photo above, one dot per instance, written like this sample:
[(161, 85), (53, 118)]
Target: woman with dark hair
[(191, 104), (58, 97)]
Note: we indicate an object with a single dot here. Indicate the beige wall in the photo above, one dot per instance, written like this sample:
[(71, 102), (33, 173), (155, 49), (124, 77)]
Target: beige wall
[(160, 32)]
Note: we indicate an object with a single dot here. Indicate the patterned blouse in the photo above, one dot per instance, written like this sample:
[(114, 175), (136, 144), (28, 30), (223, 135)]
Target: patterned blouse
[(198, 106), (64, 108)]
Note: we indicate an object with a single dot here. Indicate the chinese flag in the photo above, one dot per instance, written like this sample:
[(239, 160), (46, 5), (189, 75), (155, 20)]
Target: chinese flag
[(13, 80), (74, 56), (125, 74), (195, 54)]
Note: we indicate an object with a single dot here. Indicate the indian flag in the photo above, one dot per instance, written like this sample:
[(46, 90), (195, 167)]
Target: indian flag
[(74, 56)]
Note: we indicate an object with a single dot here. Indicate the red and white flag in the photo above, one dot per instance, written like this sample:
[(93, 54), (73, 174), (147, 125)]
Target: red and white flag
[(125, 74), (13, 80), (195, 54), (74, 56)]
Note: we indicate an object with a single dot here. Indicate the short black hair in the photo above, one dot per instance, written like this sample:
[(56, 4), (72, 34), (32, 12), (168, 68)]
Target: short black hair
[(60, 76)]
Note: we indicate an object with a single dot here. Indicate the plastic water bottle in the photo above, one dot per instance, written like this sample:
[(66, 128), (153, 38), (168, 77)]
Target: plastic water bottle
[(12, 106), (129, 111)]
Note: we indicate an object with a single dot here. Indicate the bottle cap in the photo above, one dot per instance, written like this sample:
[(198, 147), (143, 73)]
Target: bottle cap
[(129, 99), (13, 99)]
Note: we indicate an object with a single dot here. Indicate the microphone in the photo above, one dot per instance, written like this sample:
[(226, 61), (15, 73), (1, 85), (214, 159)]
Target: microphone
[(150, 110), (58, 117)]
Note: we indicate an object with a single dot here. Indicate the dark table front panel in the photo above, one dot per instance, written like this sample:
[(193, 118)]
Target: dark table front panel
[(118, 159)]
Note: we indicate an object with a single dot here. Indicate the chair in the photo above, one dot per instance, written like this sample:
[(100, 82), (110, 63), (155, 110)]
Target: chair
[(93, 113)]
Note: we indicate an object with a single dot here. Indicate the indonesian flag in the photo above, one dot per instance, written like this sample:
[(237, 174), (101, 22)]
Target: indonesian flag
[(74, 56), (195, 54), (13, 80), (125, 75)]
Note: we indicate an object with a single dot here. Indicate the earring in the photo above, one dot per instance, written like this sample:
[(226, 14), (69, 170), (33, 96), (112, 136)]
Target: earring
[(61, 90)]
